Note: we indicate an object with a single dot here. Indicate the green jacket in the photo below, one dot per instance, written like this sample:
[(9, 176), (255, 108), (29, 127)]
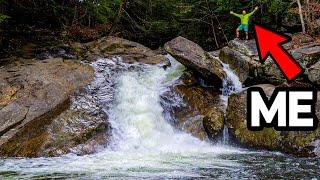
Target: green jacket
[(244, 18)]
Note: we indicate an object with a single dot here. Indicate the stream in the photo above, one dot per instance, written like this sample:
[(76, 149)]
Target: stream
[(144, 144)]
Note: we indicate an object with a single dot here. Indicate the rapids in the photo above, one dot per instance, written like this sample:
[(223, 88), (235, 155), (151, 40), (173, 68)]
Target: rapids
[(143, 143)]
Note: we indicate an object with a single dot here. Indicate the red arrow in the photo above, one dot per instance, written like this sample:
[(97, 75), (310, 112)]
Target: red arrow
[(270, 43)]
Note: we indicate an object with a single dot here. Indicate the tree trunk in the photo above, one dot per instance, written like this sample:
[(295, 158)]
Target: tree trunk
[(301, 17)]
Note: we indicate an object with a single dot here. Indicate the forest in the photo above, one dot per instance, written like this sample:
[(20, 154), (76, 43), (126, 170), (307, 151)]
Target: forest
[(150, 22), (159, 89)]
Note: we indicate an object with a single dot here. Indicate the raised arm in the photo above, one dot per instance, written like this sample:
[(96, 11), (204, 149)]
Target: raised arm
[(235, 14), (255, 9)]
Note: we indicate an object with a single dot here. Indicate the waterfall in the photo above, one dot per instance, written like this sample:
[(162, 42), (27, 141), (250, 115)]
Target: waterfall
[(137, 115), (231, 84), (225, 136), (143, 144), (136, 110)]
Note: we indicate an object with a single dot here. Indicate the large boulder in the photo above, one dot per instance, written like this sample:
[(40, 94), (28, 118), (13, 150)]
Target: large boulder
[(242, 56), (201, 115), (297, 143), (108, 47), (35, 99), (195, 58), (77, 131), (306, 55)]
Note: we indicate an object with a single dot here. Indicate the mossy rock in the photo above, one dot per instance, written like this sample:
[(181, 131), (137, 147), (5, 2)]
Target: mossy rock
[(297, 143), (202, 115), (213, 122)]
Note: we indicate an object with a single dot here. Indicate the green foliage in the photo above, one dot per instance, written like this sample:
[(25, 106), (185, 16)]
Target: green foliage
[(277, 7), (102, 11), (276, 10), (204, 21), (3, 18), (151, 22)]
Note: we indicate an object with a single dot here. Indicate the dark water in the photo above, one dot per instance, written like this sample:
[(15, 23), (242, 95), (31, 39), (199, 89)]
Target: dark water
[(229, 164)]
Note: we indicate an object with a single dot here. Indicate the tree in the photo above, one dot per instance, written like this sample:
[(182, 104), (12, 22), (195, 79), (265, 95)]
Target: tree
[(301, 17), (309, 13)]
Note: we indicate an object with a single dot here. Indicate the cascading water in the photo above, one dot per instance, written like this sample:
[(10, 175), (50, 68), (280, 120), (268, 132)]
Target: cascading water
[(225, 135), (231, 84), (143, 143), (137, 115)]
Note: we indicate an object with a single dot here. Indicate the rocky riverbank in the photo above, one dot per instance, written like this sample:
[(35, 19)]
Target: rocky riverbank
[(40, 110), (243, 58), (33, 95), (48, 105)]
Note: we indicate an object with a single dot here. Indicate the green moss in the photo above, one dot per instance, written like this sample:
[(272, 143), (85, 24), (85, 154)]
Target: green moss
[(213, 122), (237, 132), (303, 139)]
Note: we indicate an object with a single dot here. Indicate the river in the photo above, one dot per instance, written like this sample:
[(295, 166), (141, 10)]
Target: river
[(144, 144)]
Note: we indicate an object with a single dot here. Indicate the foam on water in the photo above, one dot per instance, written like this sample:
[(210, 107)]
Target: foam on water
[(138, 115), (143, 143)]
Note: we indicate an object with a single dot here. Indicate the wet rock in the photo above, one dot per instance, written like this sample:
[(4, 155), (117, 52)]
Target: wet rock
[(195, 58), (316, 150), (33, 94), (213, 121), (201, 114), (131, 52), (75, 131), (44, 55), (243, 58), (297, 83), (298, 143)]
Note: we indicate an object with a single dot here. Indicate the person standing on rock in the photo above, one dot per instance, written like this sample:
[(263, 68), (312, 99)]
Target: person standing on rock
[(244, 21)]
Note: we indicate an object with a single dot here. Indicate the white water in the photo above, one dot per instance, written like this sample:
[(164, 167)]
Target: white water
[(137, 115), (225, 136), (231, 84), (143, 143)]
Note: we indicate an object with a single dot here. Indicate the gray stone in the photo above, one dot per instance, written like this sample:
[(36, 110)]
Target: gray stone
[(33, 94), (195, 58)]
